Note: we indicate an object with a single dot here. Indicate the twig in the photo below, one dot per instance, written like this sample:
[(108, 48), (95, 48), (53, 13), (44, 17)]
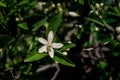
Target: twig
[(57, 71), (45, 67)]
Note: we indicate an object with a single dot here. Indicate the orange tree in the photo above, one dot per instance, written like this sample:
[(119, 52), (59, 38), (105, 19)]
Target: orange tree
[(59, 40)]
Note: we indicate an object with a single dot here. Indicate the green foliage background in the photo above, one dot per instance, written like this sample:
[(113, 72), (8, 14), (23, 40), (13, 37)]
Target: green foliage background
[(94, 53)]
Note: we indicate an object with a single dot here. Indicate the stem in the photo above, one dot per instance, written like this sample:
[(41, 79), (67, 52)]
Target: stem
[(105, 24)]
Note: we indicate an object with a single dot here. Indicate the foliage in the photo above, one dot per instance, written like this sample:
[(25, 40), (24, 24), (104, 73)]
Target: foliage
[(88, 29)]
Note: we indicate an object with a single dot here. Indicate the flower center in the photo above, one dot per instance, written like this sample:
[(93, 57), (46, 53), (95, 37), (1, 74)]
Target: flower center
[(48, 46)]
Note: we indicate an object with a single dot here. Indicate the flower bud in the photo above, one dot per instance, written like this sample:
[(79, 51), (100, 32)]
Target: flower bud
[(1, 50), (17, 19), (97, 5), (53, 5), (118, 37), (65, 53), (117, 29), (101, 4), (73, 14)]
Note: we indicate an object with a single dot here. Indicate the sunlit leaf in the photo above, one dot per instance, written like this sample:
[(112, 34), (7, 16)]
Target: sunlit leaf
[(37, 25), (35, 57), (117, 10), (103, 65), (23, 25), (92, 28), (67, 46), (113, 14), (106, 40), (81, 2), (60, 58), (95, 21), (54, 23), (2, 4), (27, 70), (11, 12), (23, 2)]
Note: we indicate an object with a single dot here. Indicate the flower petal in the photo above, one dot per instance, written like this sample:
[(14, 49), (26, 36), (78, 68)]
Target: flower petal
[(42, 40), (57, 45), (42, 49), (50, 36), (51, 52)]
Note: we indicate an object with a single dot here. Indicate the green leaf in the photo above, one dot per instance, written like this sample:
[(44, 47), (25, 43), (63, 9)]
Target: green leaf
[(116, 54), (23, 2), (54, 23), (105, 40), (95, 21), (103, 65), (34, 57), (117, 10), (67, 46), (11, 12), (113, 14), (27, 70), (110, 20), (81, 2), (23, 25), (92, 28), (39, 24), (77, 33), (2, 4), (63, 60)]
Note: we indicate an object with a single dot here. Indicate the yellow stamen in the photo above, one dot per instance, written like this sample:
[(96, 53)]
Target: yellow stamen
[(48, 46)]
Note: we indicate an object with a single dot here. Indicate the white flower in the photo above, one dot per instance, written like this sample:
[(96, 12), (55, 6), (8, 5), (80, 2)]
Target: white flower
[(48, 45), (40, 5)]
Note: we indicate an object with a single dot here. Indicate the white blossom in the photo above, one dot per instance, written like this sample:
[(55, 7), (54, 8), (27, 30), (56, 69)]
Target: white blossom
[(49, 45), (40, 5)]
